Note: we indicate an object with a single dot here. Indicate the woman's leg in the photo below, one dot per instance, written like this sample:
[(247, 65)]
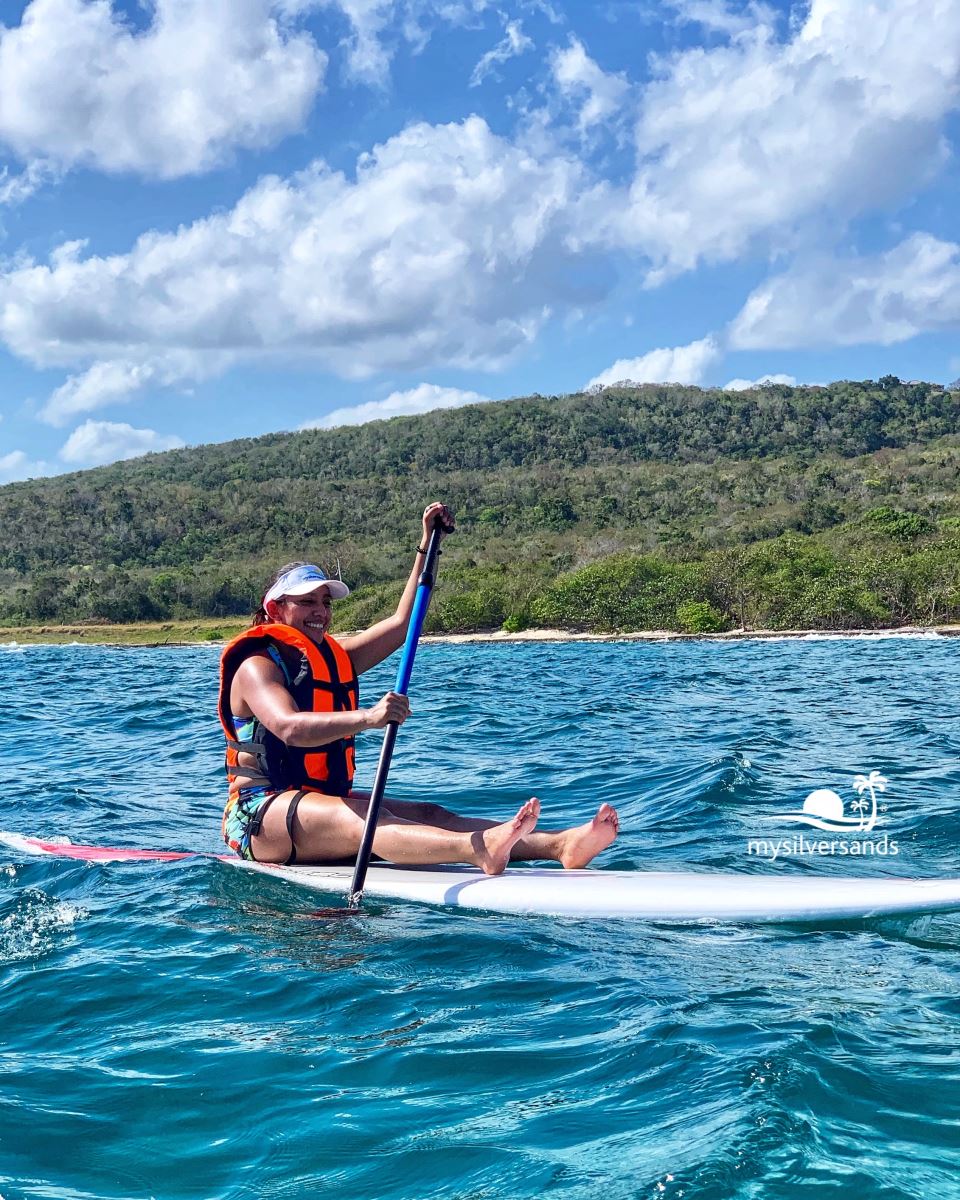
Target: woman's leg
[(327, 828), (573, 847)]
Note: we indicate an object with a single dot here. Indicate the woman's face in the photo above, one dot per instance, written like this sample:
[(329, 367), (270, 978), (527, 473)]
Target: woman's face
[(309, 614)]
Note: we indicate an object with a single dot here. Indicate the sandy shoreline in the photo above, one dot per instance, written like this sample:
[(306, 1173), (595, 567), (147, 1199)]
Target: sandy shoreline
[(667, 635), (156, 636)]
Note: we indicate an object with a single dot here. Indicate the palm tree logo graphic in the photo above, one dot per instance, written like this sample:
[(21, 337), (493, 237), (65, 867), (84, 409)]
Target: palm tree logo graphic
[(824, 809), (872, 783)]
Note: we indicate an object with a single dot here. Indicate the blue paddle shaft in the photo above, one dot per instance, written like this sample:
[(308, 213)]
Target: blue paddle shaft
[(421, 603), (418, 614)]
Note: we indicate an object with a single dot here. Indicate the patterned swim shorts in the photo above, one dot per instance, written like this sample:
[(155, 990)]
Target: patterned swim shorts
[(243, 817)]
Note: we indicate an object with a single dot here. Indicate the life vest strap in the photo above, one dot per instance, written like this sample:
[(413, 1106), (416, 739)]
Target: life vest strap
[(250, 747), (341, 693)]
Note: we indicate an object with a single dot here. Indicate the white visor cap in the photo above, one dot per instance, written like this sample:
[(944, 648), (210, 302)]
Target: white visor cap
[(299, 581)]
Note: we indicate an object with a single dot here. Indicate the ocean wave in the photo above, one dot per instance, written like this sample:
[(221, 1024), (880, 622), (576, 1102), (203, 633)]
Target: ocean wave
[(32, 923)]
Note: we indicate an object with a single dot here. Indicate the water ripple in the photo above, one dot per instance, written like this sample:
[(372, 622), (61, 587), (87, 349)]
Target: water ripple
[(187, 1030)]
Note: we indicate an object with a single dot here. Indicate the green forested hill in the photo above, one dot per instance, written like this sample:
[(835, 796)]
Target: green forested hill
[(671, 506)]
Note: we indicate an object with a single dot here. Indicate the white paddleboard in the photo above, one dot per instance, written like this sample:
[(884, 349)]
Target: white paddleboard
[(643, 895), (669, 896)]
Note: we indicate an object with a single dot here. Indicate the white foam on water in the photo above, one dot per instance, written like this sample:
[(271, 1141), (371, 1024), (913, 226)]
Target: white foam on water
[(827, 635), (881, 635), (34, 925)]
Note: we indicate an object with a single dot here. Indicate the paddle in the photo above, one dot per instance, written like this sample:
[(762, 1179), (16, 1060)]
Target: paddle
[(417, 616)]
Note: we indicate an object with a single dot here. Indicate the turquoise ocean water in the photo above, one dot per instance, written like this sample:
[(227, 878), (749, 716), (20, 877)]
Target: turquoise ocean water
[(183, 1030)]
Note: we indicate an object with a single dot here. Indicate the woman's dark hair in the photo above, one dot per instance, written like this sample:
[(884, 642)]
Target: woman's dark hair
[(260, 613)]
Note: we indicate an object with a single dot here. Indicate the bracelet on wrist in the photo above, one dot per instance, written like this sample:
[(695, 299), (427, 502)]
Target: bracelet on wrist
[(420, 550)]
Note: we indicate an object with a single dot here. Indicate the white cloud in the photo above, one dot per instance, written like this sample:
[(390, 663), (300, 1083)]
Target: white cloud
[(744, 385), (424, 398), (104, 383), (16, 466), (368, 61), (377, 25), (679, 364), (448, 248), (716, 16), (761, 138), (886, 298), (15, 188), (79, 86), (514, 43), (114, 381), (96, 443), (577, 75)]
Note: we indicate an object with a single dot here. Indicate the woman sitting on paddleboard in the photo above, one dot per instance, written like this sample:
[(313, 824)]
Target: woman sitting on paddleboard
[(289, 708)]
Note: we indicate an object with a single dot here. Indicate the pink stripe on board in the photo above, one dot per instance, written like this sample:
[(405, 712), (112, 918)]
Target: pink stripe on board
[(106, 853)]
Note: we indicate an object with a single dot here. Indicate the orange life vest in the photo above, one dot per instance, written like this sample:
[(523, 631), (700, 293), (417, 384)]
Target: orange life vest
[(320, 678)]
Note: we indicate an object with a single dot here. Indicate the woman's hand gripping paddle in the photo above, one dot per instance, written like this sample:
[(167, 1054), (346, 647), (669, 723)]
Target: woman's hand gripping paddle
[(414, 628)]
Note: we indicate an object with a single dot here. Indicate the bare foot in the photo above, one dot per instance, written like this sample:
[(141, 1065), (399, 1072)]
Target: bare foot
[(493, 845), (584, 842)]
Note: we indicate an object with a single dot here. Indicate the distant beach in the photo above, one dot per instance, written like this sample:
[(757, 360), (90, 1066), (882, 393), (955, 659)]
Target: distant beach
[(211, 630), (669, 635)]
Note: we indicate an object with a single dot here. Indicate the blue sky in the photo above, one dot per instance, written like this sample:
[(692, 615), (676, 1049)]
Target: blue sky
[(223, 218)]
